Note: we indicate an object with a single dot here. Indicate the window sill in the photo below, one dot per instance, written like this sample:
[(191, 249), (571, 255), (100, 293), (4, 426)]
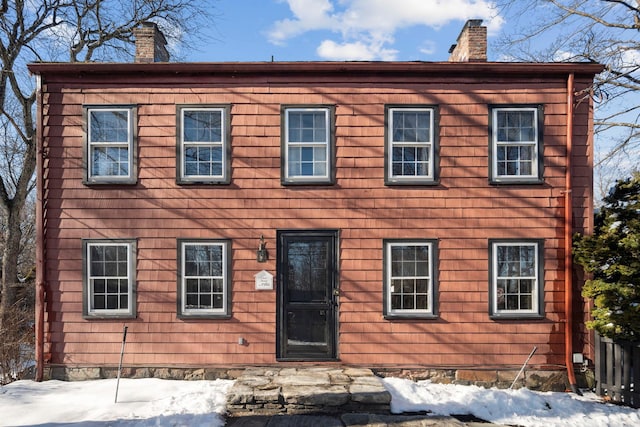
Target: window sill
[(105, 316), (418, 316), (93, 182), (520, 181), (413, 182), (203, 182), (204, 316), (516, 316), (289, 183)]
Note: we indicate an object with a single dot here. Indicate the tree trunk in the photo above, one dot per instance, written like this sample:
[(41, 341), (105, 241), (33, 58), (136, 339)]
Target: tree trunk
[(13, 235), (10, 282)]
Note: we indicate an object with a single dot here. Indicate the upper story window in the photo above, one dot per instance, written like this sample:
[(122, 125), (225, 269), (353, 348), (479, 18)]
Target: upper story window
[(516, 144), (203, 144), (204, 278), (109, 267), (110, 145), (517, 274), (410, 145), (307, 145), (409, 278)]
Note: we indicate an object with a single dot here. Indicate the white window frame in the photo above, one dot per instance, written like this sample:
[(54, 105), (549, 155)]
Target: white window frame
[(89, 309), (535, 144), (223, 144), (327, 144), (90, 176), (430, 310), (430, 177), (224, 311), (537, 288)]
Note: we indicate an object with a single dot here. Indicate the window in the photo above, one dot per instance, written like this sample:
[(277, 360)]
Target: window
[(516, 144), (516, 288), (110, 145), (109, 278), (409, 278), (307, 145), (203, 144), (410, 149), (204, 278)]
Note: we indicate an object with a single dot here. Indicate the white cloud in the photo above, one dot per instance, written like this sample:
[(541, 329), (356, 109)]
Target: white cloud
[(355, 51), (564, 56), (366, 27), (385, 15), (309, 15), (630, 61), (428, 47)]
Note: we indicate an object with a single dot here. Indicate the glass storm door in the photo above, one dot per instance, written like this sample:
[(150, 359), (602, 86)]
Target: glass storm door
[(307, 295)]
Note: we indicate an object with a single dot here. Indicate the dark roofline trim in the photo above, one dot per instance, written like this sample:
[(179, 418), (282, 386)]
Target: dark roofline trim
[(310, 68)]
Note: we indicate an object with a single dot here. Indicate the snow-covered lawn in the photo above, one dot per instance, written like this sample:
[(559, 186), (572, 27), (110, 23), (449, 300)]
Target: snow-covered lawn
[(148, 402), (154, 402), (521, 407)]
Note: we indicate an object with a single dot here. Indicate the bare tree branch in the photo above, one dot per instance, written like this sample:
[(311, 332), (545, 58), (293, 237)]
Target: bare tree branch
[(597, 17), (623, 3), (80, 30), (603, 31)]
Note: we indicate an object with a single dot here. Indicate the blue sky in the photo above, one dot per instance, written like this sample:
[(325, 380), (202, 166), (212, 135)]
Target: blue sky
[(314, 30)]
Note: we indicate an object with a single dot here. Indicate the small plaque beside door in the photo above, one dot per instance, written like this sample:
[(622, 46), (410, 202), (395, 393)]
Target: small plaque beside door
[(264, 281)]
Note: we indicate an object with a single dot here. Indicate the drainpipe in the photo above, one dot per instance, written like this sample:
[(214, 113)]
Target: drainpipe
[(568, 237), (40, 264)]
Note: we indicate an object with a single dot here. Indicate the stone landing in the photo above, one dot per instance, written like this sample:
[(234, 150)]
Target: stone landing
[(308, 390)]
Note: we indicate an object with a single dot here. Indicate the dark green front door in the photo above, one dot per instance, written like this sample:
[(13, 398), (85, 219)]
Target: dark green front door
[(307, 295)]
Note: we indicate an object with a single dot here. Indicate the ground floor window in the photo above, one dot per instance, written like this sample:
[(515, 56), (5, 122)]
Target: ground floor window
[(204, 278), (516, 274), (409, 278), (109, 278)]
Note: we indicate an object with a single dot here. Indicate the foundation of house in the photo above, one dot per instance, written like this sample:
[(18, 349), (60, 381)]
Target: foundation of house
[(531, 378)]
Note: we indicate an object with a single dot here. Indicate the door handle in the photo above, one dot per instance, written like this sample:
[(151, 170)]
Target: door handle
[(336, 292)]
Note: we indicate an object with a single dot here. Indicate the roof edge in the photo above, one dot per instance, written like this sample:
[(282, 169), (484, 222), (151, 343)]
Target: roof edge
[(311, 67)]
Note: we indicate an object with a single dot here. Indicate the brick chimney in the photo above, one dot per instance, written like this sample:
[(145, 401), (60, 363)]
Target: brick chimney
[(471, 44), (150, 43)]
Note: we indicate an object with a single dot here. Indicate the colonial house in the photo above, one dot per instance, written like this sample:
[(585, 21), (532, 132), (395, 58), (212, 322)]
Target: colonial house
[(379, 214)]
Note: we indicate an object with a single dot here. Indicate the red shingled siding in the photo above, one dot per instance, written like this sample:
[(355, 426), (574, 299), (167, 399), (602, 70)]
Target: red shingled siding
[(463, 212)]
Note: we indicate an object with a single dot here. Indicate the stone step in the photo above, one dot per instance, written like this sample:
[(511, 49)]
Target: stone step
[(308, 390)]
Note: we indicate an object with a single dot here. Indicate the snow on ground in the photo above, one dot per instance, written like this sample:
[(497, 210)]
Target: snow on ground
[(155, 402), (141, 402), (521, 407)]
